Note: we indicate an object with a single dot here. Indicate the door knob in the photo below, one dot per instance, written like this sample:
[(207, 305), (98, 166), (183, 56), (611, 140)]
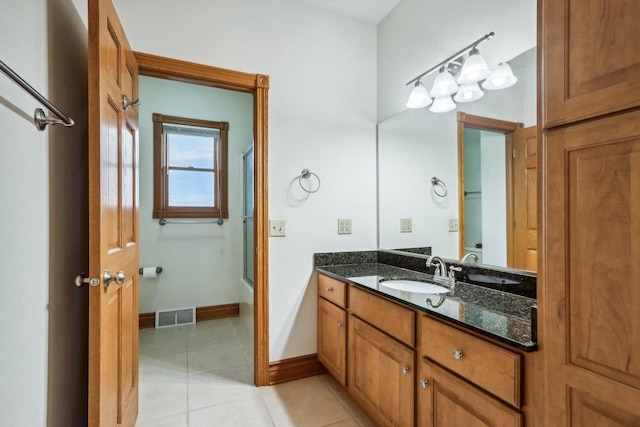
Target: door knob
[(126, 103), (108, 278), (80, 281)]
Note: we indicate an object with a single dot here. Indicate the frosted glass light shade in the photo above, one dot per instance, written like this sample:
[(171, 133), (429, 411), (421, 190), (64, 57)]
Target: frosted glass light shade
[(469, 93), (501, 78), (474, 69), (442, 104), (444, 85), (419, 97)]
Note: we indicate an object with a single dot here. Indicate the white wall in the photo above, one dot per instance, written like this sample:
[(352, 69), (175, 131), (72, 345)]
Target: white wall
[(202, 263), (417, 35), (322, 115), (43, 222)]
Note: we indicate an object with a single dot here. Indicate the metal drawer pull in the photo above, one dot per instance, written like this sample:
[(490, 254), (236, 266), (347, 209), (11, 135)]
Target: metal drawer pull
[(328, 289), (405, 370), (457, 354), (340, 325), (424, 383)]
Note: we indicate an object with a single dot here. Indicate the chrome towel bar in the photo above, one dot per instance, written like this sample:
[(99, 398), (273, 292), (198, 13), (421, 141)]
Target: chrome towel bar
[(40, 119)]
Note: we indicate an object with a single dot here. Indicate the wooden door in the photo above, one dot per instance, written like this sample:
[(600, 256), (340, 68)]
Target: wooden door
[(525, 218), (332, 339), (113, 224), (444, 400), (591, 53), (381, 374), (591, 295)]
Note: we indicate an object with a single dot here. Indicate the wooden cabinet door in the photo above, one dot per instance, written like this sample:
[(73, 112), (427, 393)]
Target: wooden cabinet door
[(381, 375), (113, 225), (590, 302), (444, 400), (591, 58), (525, 227), (332, 339)]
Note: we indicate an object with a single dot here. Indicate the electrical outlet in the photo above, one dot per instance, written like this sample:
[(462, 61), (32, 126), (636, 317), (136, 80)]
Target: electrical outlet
[(453, 224), (406, 225), (344, 226), (277, 227)]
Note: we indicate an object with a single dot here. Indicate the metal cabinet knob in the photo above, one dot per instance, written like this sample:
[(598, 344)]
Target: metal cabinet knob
[(405, 370), (340, 325), (119, 278), (328, 289), (424, 383), (457, 354)]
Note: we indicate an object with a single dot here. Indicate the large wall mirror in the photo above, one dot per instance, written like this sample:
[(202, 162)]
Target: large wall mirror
[(415, 146)]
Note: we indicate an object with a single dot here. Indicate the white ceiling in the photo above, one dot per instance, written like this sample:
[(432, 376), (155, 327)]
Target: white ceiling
[(372, 11)]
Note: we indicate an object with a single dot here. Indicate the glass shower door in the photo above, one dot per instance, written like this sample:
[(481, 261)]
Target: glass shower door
[(247, 215)]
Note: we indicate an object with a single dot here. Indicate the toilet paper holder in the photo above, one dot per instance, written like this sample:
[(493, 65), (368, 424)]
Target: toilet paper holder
[(158, 270)]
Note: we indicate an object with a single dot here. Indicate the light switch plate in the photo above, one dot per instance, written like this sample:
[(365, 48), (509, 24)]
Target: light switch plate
[(277, 227), (406, 225), (453, 224), (344, 226)]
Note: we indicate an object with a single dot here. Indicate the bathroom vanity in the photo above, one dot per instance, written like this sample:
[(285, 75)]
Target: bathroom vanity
[(462, 358)]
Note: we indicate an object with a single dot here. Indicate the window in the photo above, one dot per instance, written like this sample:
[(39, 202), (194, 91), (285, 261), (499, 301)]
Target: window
[(190, 168)]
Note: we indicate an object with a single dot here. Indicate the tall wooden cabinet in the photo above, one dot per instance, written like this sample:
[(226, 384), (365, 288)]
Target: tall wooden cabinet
[(589, 273)]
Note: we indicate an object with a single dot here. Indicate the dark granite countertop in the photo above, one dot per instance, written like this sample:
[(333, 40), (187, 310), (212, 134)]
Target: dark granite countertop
[(503, 316)]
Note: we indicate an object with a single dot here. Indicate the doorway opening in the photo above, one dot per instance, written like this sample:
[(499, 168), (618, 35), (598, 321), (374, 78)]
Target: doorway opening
[(497, 191), (257, 86)]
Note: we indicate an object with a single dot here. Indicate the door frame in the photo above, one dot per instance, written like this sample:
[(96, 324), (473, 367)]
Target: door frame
[(493, 125), (258, 85)]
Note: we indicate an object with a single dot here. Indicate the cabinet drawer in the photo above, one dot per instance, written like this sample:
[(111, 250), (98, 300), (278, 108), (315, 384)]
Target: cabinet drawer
[(491, 367), (397, 321), (332, 290)]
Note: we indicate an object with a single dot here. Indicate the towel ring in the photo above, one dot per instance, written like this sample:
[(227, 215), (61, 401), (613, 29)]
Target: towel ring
[(306, 174), (436, 182)]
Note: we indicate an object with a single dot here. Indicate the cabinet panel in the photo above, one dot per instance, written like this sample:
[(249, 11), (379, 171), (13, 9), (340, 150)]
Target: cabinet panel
[(591, 57), (332, 290), (381, 375), (397, 321), (332, 339), (444, 400), (591, 297), (491, 367)]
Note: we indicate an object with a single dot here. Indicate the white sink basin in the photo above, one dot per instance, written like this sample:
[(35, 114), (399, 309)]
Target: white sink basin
[(414, 286)]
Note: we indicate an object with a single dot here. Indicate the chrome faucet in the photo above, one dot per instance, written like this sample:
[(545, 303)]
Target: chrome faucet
[(468, 256), (441, 270)]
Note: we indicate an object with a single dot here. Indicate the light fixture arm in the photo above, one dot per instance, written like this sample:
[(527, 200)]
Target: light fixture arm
[(452, 57)]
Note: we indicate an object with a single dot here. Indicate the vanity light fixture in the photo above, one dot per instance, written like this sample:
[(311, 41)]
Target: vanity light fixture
[(419, 97), (501, 78), (473, 71), (468, 93), (444, 84)]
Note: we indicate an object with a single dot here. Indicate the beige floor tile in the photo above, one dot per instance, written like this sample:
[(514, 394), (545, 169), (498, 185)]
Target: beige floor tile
[(204, 338), (161, 399), (215, 358), (356, 412), (303, 403), (161, 368), (160, 344), (345, 423), (222, 386), (239, 413), (179, 420)]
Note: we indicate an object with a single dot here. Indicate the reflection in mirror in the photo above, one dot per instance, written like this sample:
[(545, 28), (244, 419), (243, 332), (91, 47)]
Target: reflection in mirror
[(416, 145)]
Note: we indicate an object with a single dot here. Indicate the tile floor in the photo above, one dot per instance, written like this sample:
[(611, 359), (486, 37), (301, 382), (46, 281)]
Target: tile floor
[(202, 375)]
